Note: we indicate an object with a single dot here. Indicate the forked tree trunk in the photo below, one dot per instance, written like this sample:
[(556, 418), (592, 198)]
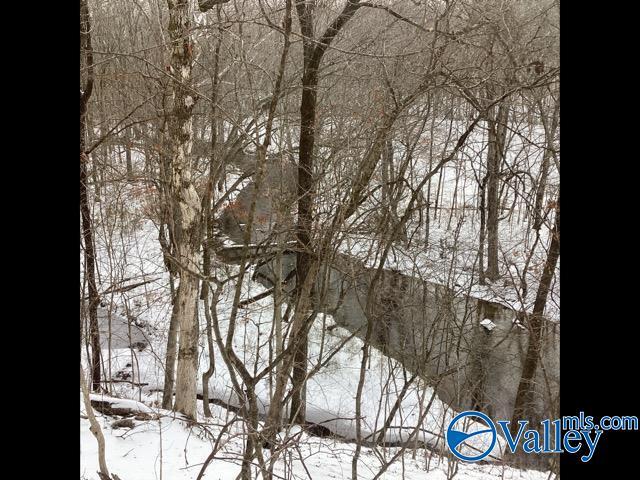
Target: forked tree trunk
[(313, 53)]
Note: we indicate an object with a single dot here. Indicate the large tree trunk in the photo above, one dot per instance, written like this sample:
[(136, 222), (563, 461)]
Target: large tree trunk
[(305, 200), (526, 388), (187, 370), (313, 53), (497, 136), (185, 205), (86, 58)]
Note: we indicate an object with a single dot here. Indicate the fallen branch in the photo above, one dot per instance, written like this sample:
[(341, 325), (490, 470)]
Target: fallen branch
[(126, 288), (260, 296), (136, 384)]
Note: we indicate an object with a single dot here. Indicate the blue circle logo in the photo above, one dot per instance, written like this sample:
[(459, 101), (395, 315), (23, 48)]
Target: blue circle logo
[(458, 437)]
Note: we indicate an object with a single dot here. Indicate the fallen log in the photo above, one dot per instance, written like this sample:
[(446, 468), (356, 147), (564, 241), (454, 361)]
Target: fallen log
[(122, 407)]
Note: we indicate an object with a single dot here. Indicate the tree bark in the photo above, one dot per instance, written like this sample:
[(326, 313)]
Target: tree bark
[(86, 57), (94, 425), (483, 229), (215, 170), (170, 360), (127, 154), (185, 205), (313, 53), (497, 136), (165, 238), (550, 131)]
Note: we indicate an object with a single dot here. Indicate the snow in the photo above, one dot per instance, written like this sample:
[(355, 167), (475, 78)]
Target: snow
[(121, 403), (488, 324), (330, 392), (330, 402), (169, 448)]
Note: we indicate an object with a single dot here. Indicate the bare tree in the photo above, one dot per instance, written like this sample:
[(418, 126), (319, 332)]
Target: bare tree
[(360, 165), (497, 124), (535, 324), (185, 220), (313, 51), (86, 89)]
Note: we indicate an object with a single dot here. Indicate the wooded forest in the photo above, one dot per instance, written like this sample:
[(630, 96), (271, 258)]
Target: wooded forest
[(312, 232)]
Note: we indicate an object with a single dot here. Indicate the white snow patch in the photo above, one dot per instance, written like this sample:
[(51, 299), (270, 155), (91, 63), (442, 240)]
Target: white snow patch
[(488, 324)]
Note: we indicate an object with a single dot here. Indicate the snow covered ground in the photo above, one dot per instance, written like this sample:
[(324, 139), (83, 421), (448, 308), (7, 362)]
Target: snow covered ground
[(166, 447), (169, 447), (330, 391)]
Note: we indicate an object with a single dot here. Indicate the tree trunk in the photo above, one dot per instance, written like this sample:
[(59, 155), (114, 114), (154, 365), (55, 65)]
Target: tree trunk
[(127, 153), (215, 171), (482, 210), (170, 360), (168, 253), (94, 425), (497, 136), (550, 131), (274, 415), (305, 200), (187, 370), (390, 193), (526, 388), (185, 205), (206, 375), (313, 53), (86, 57)]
